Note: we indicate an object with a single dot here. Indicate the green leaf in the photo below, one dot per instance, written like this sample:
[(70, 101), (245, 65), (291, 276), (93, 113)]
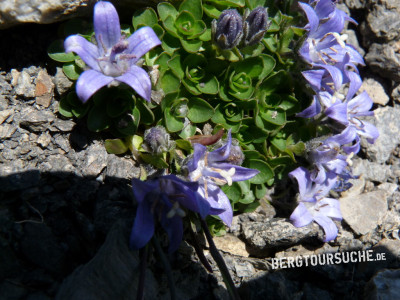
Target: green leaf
[(71, 71), (185, 22), (184, 144), (129, 123), (210, 86), (233, 192), (169, 82), (248, 208), (98, 119), (191, 87), (165, 10), (154, 160), (162, 61), (251, 4), (247, 198), (211, 11), (266, 172), (119, 102), (64, 108), (115, 146), (260, 191), (146, 115), (276, 117), (194, 6), (253, 66), (206, 35), (147, 17), (170, 43), (56, 52), (169, 25), (199, 110), (172, 123), (187, 131), (191, 46), (269, 65), (175, 64), (278, 82)]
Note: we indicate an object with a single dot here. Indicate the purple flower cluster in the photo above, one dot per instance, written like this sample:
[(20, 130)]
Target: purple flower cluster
[(334, 69)]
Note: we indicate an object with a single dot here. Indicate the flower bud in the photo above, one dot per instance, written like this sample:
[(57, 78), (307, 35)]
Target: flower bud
[(158, 139), (255, 26), (228, 30)]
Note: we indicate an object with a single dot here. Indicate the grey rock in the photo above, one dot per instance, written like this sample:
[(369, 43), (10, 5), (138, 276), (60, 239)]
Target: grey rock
[(371, 170), (23, 83), (262, 236), (375, 90), (120, 167), (355, 4), (16, 175), (385, 285), (4, 114), (113, 272), (6, 131), (383, 19), (388, 123), (244, 269), (57, 163), (364, 212), (62, 142), (62, 125), (36, 120), (44, 139), (353, 41), (384, 59), (62, 83), (95, 159)]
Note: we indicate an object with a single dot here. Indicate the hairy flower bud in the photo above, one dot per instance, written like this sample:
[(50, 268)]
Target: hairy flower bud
[(255, 26), (228, 30), (158, 139)]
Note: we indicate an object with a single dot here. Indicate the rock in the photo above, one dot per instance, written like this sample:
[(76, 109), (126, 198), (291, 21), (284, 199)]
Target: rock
[(4, 114), (371, 170), (375, 90), (364, 213), (261, 236), (44, 89), (385, 285), (62, 125), (57, 163), (387, 122), (62, 142), (113, 271), (384, 59), (95, 160), (16, 175), (61, 82), (231, 244), (357, 187), (353, 41), (44, 139), (6, 131), (120, 167), (355, 4), (383, 19), (36, 120), (311, 292), (244, 269), (14, 12), (22, 83), (390, 188)]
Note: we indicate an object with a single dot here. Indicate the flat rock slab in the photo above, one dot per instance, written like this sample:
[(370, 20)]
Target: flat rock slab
[(364, 212)]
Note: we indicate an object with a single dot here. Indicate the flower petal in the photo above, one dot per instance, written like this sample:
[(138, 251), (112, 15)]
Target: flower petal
[(174, 228), (330, 207), (311, 111), (106, 25), (87, 51), (143, 226), (328, 226), (142, 188), (221, 153), (241, 173), (198, 154), (142, 41), (303, 178), (338, 112), (89, 82), (139, 80), (219, 202), (301, 216), (312, 17), (360, 104)]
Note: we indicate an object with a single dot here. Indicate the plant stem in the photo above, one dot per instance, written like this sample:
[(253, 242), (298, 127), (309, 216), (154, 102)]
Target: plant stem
[(167, 267), (221, 263)]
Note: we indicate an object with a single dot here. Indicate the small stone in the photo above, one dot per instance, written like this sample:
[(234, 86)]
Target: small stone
[(120, 167), (6, 131), (36, 120), (375, 90), (371, 170), (390, 188), (44, 89), (62, 83), (95, 160), (384, 59), (383, 19), (4, 114), (56, 163), (44, 140), (244, 269), (231, 244), (357, 187), (22, 83), (63, 125), (364, 213), (62, 142)]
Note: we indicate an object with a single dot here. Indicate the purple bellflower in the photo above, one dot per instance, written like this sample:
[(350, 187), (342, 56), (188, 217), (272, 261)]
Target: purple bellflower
[(212, 169), (314, 206), (161, 200), (113, 59)]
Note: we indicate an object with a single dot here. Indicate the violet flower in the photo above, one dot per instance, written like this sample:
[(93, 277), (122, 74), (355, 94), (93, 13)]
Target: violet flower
[(160, 200), (314, 206), (211, 169), (113, 59)]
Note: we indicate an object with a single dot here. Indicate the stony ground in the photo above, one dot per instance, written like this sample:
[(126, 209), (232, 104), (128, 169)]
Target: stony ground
[(66, 206)]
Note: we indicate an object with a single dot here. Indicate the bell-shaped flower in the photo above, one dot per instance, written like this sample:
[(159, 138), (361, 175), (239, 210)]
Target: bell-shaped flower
[(228, 30), (213, 169), (255, 26), (163, 200), (314, 206), (113, 59)]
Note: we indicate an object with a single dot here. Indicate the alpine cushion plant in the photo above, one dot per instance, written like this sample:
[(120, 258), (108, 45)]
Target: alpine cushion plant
[(160, 200), (213, 169), (113, 59)]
